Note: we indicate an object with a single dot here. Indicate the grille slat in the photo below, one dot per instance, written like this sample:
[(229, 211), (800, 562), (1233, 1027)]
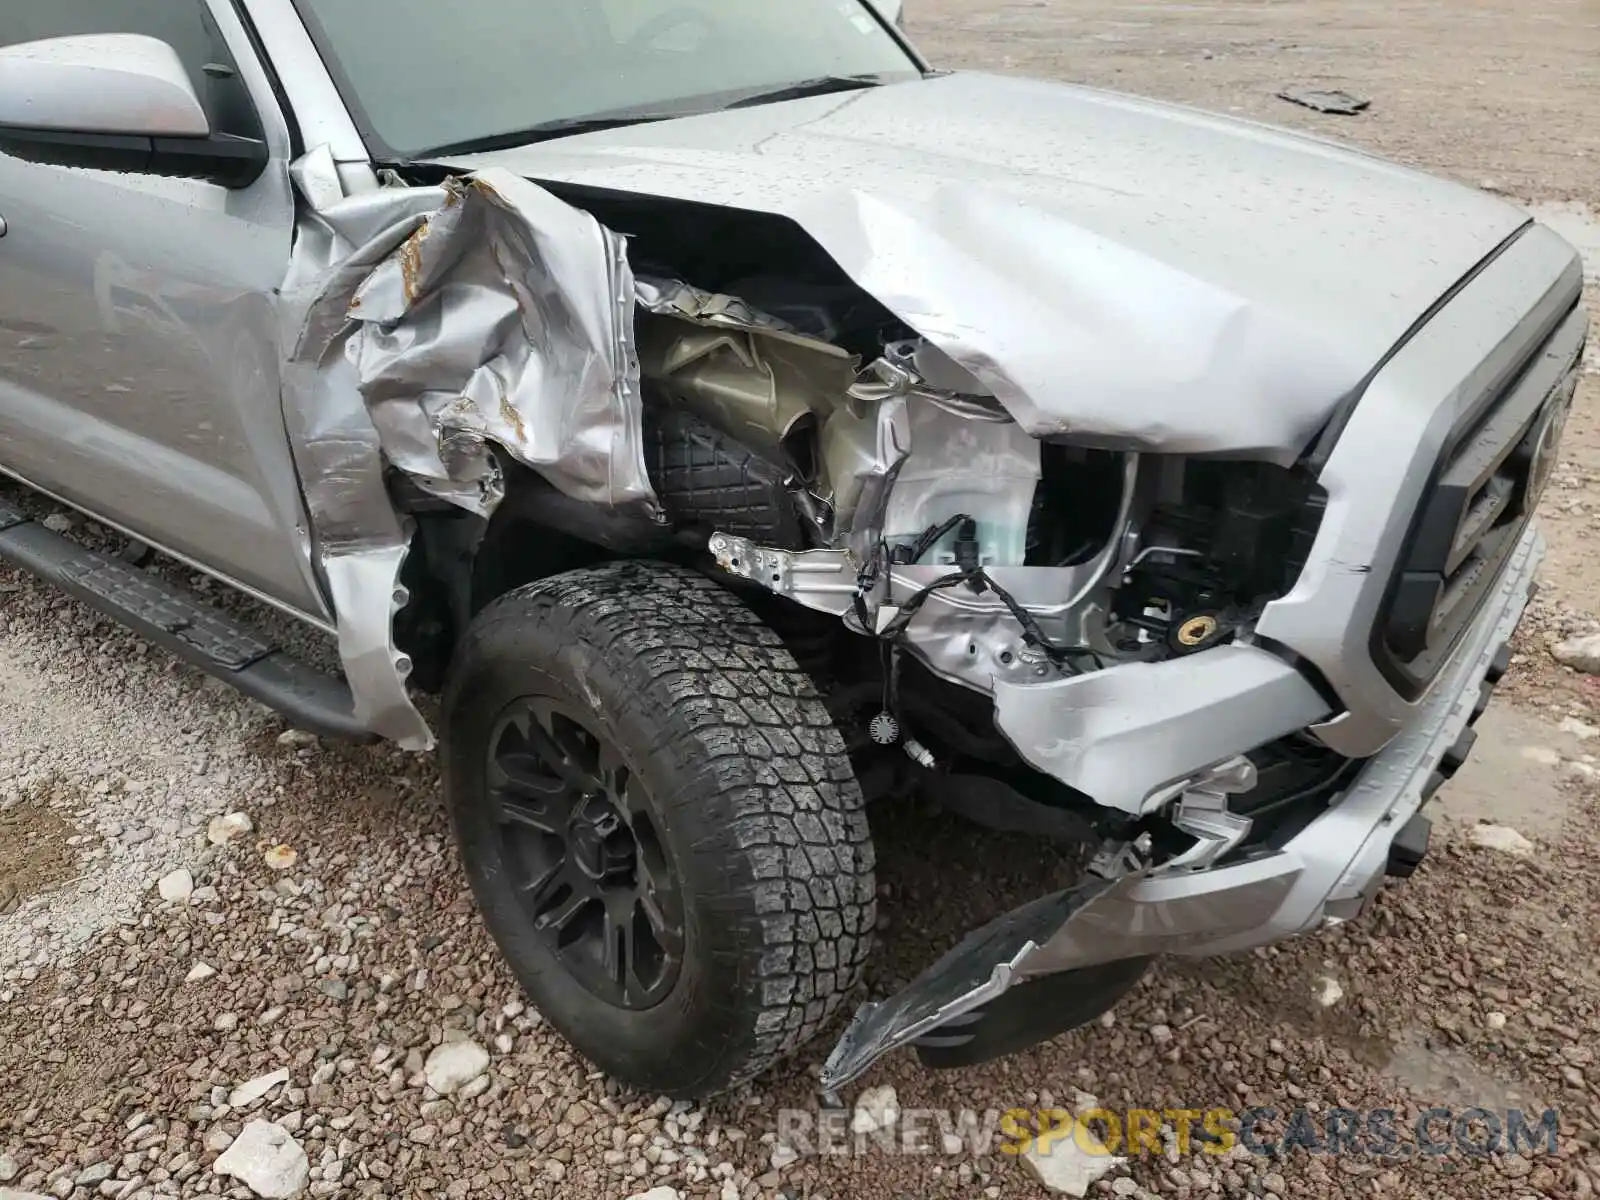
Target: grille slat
[(1491, 503)]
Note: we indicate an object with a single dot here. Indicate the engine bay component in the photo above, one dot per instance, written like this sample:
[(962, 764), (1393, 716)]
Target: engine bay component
[(983, 470), (825, 580), (1202, 812), (757, 386)]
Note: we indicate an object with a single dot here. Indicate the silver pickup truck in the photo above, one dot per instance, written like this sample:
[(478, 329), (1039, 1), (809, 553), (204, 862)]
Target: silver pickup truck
[(738, 423)]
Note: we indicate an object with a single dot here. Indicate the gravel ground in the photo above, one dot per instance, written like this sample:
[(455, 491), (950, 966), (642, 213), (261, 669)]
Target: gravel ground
[(224, 945)]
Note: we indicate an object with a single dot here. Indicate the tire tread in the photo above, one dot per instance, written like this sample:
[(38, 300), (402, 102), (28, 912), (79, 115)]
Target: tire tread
[(782, 810)]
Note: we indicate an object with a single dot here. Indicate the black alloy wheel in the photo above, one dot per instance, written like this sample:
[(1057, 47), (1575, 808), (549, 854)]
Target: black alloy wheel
[(582, 851)]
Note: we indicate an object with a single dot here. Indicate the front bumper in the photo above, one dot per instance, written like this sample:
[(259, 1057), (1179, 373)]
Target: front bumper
[(1329, 872), (1125, 735)]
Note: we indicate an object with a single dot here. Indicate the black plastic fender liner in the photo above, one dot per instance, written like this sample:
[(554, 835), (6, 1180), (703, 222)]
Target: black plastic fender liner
[(976, 971)]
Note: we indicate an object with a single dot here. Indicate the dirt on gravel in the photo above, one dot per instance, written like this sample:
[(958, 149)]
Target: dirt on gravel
[(36, 847), (168, 979)]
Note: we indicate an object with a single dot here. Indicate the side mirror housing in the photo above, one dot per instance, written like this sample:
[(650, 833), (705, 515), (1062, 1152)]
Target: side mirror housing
[(115, 102)]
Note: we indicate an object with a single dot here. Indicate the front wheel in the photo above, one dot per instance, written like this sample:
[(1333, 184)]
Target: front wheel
[(659, 822)]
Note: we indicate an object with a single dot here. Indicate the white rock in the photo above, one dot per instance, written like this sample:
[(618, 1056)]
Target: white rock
[(297, 737), (12, 1193), (1542, 755), (664, 1193), (199, 972), (1329, 992), (1123, 1186), (1502, 838), (876, 1109), (176, 887), (1063, 1165), (1583, 770), (454, 1064), (57, 523), (280, 857), (8, 1168), (267, 1160), (223, 830), (784, 1156), (1495, 1020), (1579, 729), (248, 1093), (1580, 653)]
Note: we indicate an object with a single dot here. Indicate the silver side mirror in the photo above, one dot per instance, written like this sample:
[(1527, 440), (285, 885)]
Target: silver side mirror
[(116, 102), (116, 84)]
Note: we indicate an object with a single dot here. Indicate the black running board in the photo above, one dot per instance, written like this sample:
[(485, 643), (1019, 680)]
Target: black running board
[(174, 619)]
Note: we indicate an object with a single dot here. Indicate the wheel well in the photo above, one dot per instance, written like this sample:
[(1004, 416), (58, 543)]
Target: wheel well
[(459, 563)]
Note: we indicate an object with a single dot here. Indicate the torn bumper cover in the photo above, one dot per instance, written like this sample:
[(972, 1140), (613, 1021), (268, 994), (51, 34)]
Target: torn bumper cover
[(1328, 872)]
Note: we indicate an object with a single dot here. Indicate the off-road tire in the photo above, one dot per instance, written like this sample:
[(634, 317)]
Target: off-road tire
[(758, 808)]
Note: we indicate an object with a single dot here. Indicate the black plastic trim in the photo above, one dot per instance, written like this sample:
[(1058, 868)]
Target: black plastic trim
[(221, 158), (1428, 547), (1409, 848)]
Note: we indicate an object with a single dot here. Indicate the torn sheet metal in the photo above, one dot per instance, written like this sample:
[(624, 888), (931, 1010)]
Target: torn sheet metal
[(505, 318), (919, 368), (423, 328), (1129, 911), (361, 540), (976, 971), (863, 448), (675, 298)]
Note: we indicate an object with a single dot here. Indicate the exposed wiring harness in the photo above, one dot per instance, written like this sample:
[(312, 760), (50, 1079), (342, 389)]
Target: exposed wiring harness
[(969, 573)]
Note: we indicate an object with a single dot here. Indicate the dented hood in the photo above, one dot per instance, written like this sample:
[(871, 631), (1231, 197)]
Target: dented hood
[(1132, 273)]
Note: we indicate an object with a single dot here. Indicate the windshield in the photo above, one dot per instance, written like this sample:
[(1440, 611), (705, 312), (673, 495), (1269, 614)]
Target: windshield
[(420, 75)]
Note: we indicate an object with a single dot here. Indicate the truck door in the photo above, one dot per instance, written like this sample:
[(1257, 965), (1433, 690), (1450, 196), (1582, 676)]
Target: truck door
[(138, 360)]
